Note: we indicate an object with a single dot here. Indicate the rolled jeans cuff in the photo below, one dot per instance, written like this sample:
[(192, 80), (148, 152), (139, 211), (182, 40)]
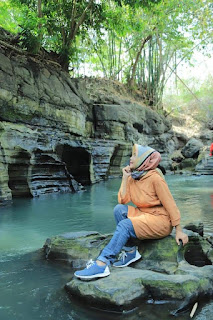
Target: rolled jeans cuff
[(103, 259)]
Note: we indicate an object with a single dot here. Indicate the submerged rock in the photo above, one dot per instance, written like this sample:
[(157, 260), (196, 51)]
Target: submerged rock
[(165, 272)]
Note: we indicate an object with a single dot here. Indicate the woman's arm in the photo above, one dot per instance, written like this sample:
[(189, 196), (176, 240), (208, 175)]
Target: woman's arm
[(169, 204), (126, 174)]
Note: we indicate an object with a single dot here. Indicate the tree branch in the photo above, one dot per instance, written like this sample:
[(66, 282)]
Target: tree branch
[(72, 20), (80, 21)]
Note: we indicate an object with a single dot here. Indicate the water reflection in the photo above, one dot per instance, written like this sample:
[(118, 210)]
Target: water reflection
[(193, 197)]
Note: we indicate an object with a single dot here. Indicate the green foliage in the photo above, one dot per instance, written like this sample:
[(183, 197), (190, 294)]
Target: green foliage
[(55, 25), (171, 30), (138, 3), (9, 17)]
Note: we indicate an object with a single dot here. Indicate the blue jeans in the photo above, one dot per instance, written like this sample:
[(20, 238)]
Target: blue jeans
[(123, 235)]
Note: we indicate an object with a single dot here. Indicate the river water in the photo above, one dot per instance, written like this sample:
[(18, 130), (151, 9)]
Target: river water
[(31, 288)]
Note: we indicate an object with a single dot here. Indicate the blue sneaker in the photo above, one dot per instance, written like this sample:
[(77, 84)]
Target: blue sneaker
[(92, 271), (126, 258)]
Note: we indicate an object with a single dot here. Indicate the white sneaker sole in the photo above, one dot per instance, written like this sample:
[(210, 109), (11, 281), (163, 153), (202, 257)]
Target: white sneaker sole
[(106, 273), (137, 257)]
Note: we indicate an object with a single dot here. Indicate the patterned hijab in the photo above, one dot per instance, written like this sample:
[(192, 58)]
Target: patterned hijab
[(147, 158)]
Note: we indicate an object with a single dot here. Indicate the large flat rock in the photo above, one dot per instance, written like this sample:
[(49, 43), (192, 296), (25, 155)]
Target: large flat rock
[(124, 287), (165, 272)]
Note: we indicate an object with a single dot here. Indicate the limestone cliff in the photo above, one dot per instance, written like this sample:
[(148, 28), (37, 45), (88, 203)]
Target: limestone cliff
[(59, 133)]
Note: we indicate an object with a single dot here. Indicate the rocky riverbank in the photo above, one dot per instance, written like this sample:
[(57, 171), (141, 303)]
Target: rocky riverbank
[(58, 134), (166, 272)]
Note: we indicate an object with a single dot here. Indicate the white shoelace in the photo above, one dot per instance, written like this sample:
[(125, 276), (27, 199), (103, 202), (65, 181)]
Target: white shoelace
[(90, 263), (122, 256)]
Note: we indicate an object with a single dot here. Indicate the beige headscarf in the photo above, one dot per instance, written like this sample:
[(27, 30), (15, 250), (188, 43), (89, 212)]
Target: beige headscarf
[(146, 159)]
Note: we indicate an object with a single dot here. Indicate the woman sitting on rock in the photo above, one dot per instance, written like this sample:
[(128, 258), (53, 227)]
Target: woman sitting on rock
[(154, 216)]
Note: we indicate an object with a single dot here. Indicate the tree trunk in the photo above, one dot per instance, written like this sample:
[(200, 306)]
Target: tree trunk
[(74, 27), (131, 81), (64, 59)]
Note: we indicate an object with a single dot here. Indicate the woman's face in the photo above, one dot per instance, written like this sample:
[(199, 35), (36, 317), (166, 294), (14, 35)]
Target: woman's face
[(132, 161)]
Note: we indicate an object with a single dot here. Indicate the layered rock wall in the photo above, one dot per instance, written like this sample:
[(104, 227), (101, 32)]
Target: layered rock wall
[(55, 136), (59, 133)]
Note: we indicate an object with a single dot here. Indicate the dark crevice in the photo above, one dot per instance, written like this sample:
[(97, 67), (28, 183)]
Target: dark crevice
[(195, 156), (194, 254), (138, 127)]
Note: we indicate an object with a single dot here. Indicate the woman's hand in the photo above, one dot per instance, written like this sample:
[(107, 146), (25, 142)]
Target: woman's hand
[(126, 172), (180, 235)]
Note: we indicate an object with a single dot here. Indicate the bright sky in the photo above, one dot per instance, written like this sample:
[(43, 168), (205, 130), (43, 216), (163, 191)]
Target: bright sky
[(202, 67)]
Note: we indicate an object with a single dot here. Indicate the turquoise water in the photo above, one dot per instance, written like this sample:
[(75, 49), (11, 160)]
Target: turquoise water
[(31, 288)]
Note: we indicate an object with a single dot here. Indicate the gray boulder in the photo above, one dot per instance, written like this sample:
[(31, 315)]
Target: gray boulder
[(192, 148)]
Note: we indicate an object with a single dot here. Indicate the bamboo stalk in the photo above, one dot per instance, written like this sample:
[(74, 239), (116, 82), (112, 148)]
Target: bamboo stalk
[(119, 58)]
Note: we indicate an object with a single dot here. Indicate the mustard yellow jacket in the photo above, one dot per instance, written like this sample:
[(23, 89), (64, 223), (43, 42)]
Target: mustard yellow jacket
[(156, 212)]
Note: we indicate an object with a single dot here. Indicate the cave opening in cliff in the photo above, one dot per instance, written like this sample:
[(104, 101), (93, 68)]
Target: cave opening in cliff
[(77, 161), (18, 174)]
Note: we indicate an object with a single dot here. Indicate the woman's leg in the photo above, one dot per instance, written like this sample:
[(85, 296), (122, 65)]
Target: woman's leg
[(124, 231), (120, 213)]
